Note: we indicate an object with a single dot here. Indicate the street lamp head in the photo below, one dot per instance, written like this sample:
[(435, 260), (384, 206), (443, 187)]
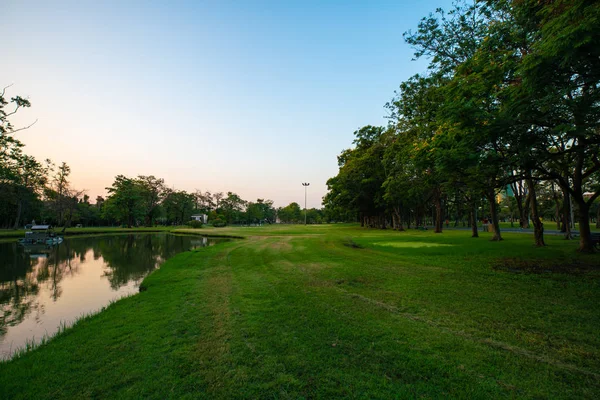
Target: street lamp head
[(305, 184)]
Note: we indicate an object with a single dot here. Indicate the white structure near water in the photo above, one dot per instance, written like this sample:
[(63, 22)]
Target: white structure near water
[(200, 217)]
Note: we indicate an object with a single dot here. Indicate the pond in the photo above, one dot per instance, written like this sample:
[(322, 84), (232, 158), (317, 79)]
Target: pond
[(43, 287)]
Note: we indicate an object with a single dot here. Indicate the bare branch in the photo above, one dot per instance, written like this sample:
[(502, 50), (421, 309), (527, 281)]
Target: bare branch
[(4, 89), (13, 112), (23, 128)]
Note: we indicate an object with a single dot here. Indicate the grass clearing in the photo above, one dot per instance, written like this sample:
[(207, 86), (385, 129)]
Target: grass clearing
[(336, 311)]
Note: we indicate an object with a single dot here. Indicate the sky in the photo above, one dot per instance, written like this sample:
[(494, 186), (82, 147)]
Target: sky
[(253, 97)]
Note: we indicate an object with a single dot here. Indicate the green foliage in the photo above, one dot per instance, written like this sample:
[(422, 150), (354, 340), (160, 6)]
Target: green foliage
[(511, 97), (195, 224), (125, 201), (290, 214), (232, 207), (261, 211), (178, 206), (358, 185), (22, 177), (219, 221), (153, 191)]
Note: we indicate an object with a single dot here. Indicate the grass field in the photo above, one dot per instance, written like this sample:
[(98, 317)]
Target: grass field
[(338, 311)]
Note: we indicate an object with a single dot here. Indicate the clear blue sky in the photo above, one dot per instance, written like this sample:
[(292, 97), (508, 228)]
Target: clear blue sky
[(250, 97)]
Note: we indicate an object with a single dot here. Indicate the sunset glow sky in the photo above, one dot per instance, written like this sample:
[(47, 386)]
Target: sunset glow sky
[(249, 97)]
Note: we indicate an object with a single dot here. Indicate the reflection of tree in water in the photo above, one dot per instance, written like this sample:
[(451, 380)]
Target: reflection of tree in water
[(24, 271), (133, 256), (18, 286), (17, 290)]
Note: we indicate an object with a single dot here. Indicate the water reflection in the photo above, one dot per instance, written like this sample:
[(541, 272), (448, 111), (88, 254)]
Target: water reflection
[(41, 286)]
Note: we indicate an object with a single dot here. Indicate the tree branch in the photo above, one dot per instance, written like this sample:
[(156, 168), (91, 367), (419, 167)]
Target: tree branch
[(4, 89), (23, 128)]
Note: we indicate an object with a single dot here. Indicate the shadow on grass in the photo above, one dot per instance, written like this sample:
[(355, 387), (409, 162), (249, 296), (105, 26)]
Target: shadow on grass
[(546, 266)]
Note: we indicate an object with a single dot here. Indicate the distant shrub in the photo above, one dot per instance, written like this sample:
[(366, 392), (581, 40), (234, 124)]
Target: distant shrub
[(219, 223), (195, 224)]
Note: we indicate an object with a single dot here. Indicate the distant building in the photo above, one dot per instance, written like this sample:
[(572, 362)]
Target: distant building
[(200, 217)]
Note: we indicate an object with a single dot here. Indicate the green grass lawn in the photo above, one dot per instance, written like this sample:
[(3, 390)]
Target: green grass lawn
[(338, 311)]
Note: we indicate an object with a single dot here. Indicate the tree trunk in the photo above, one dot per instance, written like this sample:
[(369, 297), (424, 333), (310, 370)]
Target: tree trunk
[(526, 212), (598, 217), (566, 228), (474, 230), (491, 196), (518, 193), (69, 218), (557, 208), (438, 210), (397, 217), (538, 227), (459, 214), (585, 236), (18, 217)]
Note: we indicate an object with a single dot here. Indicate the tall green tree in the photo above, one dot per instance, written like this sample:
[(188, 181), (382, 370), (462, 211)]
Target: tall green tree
[(233, 207), (559, 96), (178, 206), (358, 184), (290, 214), (259, 211), (21, 176), (152, 193), (125, 202)]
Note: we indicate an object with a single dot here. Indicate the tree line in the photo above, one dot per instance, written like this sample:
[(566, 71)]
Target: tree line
[(42, 192), (509, 107)]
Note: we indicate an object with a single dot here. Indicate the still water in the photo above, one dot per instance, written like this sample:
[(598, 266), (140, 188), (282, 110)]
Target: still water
[(43, 287)]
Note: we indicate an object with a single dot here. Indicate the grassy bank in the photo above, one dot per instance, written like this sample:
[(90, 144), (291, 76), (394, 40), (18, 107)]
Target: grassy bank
[(18, 233), (338, 311)]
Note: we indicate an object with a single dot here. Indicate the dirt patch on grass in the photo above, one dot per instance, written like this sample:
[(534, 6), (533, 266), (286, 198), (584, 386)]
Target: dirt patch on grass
[(547, 266), (281, 245), (278, 244)]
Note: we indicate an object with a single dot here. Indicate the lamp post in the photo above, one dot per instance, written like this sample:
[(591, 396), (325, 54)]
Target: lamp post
[(305, 184)]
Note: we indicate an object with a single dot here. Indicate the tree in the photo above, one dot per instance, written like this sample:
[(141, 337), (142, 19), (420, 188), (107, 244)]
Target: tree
[(290, 214), (416, 125), (7, 129), (21, 176), (178, 206), (61, 197), (29, 179), (559, 96), (358, 184), (260, 211), (152, 191), (125, 202), (232, 207), (217, 198), (204, 203)]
